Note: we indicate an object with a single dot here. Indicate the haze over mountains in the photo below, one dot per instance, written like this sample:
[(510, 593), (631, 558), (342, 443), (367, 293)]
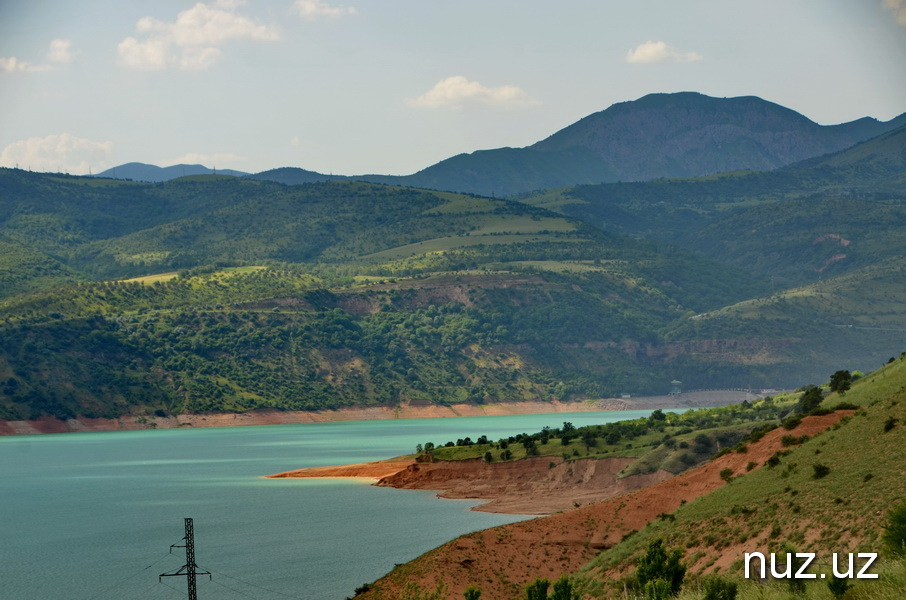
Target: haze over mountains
[(658, 136)]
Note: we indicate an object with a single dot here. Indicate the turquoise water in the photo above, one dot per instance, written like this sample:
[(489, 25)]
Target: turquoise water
[(92, 515)]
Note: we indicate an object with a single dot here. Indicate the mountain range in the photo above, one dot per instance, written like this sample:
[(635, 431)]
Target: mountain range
[(222, 293), (657, 136)]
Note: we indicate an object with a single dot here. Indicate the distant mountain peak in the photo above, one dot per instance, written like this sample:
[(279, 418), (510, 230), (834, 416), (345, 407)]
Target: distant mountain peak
[(660, 135), (137, 171)]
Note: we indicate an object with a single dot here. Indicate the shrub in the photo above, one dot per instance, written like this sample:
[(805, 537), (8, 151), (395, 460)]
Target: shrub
[(810, 399), (792, 422), (716, 588), (726, 474), (659, 564), (471, 593), (890, 423), (894, 536), (758, 433), (837, 586), (657, 589), (792, 440), (820, 471), (537, 590), (563, 590)]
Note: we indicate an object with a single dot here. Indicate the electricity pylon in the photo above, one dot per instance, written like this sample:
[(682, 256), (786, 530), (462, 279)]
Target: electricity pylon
[(190, 569)]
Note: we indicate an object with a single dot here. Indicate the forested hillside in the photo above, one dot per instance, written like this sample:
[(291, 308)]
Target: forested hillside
[(215, 293)]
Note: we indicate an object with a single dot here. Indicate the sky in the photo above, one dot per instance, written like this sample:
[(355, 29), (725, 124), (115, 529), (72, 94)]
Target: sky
[(393, 86)]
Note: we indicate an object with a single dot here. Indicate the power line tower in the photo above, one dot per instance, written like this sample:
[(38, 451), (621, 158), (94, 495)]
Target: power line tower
[(190, 569)]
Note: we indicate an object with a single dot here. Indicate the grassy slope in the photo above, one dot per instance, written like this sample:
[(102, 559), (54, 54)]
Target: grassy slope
[(770, 509)]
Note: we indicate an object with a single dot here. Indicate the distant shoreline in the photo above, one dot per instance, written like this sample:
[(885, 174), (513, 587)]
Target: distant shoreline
[(277, 417)]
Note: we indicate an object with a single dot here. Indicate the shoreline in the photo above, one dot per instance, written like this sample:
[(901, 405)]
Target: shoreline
[(270, 416), (534, 486)]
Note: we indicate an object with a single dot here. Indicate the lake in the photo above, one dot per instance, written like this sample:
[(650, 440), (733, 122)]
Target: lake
[(92, 515)]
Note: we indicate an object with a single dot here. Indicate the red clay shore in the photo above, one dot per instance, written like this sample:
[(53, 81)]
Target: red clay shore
[(276, 417), (533, 486)]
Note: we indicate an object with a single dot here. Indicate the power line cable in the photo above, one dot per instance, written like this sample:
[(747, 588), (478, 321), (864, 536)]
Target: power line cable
[(255, 585), (241, 593), (127, 578)]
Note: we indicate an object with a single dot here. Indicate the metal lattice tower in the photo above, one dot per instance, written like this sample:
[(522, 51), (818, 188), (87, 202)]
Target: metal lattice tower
[(190, 569)]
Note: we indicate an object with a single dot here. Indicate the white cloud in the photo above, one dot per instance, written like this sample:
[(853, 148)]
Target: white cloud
[(314, 9), (191, 41), (60, 52), (655, 52), (57, 153), (13, 65), (898, 8), (457, 91)]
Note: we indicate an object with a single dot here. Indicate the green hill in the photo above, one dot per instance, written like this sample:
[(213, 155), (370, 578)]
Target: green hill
[(346, 293), (815, 219)]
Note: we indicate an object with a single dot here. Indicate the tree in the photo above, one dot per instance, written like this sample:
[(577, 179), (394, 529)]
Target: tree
[(563, 590), (537, 590), (840, 382), (810, 399), (658, 563)]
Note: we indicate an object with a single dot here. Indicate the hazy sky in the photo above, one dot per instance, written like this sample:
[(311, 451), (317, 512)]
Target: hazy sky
[(393, 86)]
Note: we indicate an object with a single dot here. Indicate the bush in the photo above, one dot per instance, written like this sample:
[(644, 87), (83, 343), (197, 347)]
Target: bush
[(820, 471), (716, 588), (894, 536), (810, 399), (657, 589), (537, 590), (726, 474), (792, 440), (792, 422), (837, 586), (563, 590), (659, 564)]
